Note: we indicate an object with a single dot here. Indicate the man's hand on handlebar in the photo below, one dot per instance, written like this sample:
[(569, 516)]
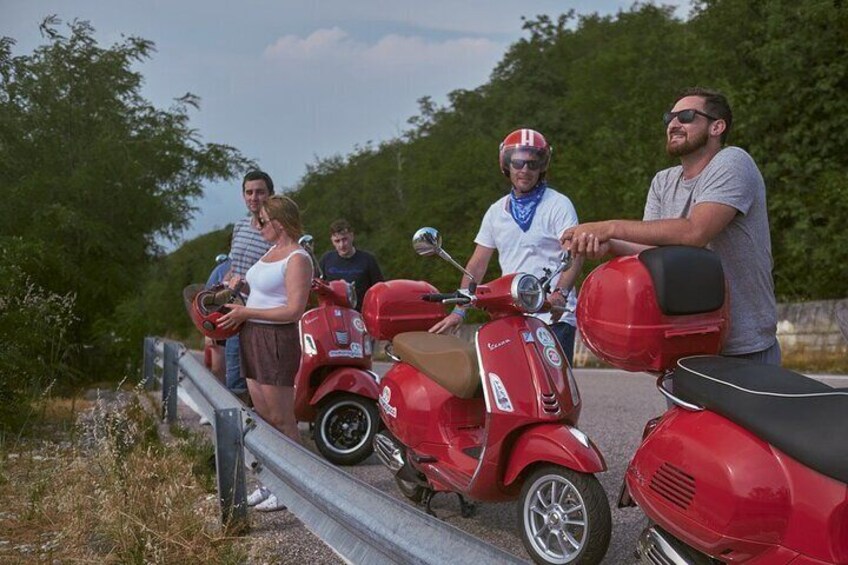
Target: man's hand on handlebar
[(448, 324), (558, 304)]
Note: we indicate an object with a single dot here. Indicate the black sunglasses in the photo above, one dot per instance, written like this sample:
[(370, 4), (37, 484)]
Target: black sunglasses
[(262, 221), (532, 164), (685, 116)]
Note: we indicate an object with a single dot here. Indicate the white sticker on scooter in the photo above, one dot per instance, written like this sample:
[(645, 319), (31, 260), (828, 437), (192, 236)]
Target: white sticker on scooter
[(309, 345), (502, 400), (359, 325), (354, 351), (553, 357), (527, 337), (545, 337), (385, 397), (367, 346)]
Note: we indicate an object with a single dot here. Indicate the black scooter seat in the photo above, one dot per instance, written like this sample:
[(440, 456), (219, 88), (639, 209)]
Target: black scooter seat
[(802, 417)]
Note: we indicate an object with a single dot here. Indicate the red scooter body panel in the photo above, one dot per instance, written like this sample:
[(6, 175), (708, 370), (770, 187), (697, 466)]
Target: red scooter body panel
[(330, 336), (621, 322), (348, 379), (465, 445), (418, 411), (722, 490), (556, 444)]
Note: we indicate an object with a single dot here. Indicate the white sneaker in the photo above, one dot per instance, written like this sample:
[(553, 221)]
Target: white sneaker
[(271, 504), (258, 496)]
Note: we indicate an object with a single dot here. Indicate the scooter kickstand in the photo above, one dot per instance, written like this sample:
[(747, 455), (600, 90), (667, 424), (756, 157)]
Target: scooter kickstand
[(426, 500), (466, 509)]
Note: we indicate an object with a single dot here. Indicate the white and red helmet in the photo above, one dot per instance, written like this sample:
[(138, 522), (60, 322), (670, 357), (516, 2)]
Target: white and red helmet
[(524, 139)]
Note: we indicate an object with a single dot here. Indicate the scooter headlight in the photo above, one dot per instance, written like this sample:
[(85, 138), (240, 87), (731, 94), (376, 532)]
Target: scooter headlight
[(527, 293)]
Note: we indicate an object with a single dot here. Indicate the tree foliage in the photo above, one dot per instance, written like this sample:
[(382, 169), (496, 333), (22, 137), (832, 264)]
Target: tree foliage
[(596, 86), (92, 174)]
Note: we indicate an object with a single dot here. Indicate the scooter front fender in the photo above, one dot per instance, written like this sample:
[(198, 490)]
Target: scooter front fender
[(347, 379), (553, 443)]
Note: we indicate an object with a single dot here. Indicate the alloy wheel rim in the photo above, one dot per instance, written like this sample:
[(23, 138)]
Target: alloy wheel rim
[(555, 517)]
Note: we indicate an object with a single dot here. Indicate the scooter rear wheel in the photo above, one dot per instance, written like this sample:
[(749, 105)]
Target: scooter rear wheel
[(345, 428), (564, 516)]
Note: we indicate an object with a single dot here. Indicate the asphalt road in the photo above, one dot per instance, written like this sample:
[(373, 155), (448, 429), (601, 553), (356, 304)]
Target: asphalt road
[(616, 406)]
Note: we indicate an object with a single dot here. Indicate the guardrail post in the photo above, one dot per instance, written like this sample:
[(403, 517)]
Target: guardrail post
[(148, 378), (229, 464), (170, 373)]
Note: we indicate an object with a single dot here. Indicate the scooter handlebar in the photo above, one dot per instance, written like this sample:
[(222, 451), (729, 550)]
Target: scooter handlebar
[(446, 298)]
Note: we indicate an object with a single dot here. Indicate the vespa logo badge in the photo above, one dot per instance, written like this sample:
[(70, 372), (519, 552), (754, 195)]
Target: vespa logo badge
[(502, 400), (493, 346), (385, 397)]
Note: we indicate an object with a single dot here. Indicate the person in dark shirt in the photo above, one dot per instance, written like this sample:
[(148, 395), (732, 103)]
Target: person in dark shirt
[(347, 263)]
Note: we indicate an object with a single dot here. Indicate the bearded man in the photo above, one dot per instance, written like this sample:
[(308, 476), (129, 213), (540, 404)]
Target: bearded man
[(715, 198)]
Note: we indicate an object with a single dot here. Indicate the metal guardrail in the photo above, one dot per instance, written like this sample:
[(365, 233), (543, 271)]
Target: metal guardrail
[(359, 522)]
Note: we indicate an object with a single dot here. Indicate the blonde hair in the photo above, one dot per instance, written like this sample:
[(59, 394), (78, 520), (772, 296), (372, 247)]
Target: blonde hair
[(285, 210)]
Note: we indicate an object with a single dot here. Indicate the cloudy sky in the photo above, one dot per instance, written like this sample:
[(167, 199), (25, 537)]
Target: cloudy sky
[(290, 81)]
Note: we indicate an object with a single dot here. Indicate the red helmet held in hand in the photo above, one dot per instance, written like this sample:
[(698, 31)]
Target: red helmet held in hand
[(526, 140), (206, 307)]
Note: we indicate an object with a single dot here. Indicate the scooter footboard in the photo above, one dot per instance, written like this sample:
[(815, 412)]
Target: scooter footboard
[(347, 379), (553, 443)]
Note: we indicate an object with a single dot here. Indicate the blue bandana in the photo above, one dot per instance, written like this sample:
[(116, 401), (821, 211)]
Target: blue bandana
[(523, 209)]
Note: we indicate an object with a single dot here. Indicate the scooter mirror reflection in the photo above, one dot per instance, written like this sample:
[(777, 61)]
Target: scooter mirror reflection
[(220, 258), (427, 242), (307, 242)]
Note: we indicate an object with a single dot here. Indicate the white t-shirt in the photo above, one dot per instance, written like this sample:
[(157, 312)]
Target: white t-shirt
[(268, 284), (537, 248)]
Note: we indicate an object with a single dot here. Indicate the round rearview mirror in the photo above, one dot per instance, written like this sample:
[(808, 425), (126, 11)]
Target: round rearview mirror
[(306, 241), (427, 242), (220, 258)]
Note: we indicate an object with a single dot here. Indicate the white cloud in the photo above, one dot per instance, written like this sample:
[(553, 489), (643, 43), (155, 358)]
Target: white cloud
[(335, 48)]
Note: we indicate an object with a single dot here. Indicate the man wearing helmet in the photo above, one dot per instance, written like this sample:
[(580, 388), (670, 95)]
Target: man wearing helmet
[(524, 227)]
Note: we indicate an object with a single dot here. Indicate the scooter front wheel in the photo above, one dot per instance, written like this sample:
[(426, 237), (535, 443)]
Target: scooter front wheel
[(564, 516), (345, 428)]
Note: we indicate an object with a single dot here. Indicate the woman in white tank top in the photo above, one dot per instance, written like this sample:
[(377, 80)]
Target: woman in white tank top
[(279, 285)]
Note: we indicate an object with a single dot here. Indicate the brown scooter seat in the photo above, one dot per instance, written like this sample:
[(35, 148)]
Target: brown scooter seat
[(448, 360)]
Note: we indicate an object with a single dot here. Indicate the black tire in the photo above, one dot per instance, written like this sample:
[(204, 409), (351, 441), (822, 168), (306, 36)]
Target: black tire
[(564, 517), (345, 428)]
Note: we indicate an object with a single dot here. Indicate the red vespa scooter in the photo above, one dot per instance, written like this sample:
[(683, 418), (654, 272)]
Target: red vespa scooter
[(750, 463), (335, 389), (492, 422)]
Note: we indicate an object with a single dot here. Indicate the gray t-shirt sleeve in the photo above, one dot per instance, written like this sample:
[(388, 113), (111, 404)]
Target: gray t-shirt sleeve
[(653, 204), (728, 180)]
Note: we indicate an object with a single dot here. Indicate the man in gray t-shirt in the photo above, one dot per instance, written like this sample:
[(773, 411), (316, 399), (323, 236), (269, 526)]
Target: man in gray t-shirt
[(715, 198)]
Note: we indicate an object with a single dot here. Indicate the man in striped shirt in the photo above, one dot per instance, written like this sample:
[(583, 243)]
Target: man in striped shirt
[(247, 248)]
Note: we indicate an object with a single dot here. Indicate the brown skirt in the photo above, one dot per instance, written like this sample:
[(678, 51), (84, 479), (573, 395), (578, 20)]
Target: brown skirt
[(270, 353)]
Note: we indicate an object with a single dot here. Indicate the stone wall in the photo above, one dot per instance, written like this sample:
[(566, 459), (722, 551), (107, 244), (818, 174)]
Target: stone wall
[(814, 332)]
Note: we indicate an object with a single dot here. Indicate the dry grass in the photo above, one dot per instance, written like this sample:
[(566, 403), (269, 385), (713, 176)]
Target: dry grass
[(112, 494)]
